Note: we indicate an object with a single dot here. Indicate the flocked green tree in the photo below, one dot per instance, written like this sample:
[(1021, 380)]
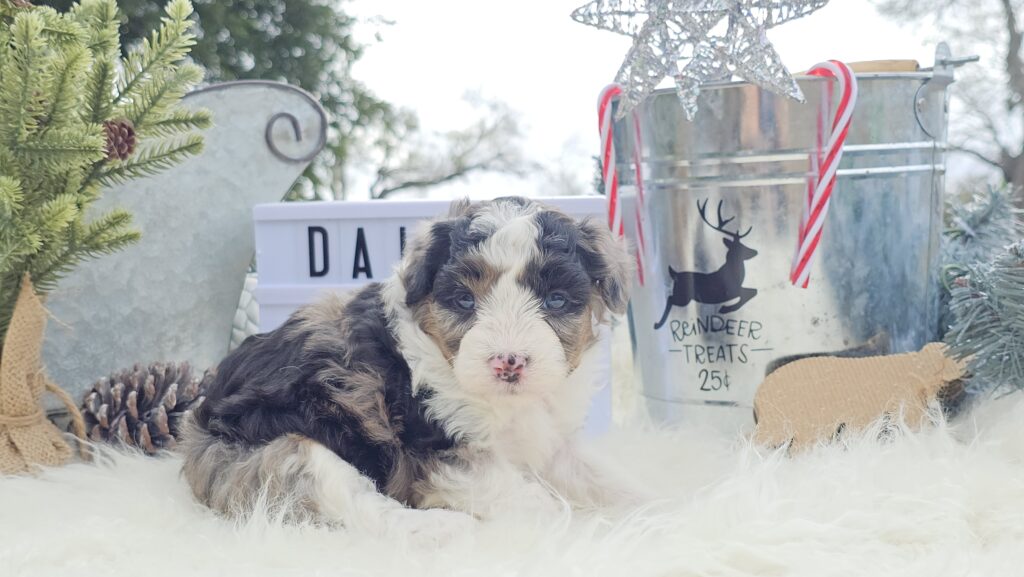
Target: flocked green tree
[(977, 229), (74, 117), (987, 303), (984, 304)]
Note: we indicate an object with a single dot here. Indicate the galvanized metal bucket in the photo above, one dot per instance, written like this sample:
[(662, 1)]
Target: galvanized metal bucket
[(874, 285)]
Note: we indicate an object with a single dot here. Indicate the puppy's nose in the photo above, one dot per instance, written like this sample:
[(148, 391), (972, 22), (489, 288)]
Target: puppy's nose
[(508, 367)]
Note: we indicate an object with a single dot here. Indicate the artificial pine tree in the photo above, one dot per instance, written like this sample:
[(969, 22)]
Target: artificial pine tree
[(979, 229), (987, 305), (976, 231), (984, 305), (75, 117)]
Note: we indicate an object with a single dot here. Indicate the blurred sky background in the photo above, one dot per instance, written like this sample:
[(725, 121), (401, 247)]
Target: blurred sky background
[(549, 69)]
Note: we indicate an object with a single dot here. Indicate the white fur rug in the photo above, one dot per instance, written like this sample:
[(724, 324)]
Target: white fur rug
[(949, 501)]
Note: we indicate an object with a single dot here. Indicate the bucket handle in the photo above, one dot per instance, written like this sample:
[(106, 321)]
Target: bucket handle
[(942, 76)]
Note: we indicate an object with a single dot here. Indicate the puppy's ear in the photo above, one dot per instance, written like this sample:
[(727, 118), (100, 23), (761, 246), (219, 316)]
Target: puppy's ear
[(608, 262), (430, 250)]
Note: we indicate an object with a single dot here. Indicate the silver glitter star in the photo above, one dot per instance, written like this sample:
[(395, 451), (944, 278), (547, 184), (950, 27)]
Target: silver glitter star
[(696, 42)]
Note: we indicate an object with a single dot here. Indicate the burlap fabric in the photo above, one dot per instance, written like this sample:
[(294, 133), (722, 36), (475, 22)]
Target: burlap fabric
[(811, 400), (27, 437)]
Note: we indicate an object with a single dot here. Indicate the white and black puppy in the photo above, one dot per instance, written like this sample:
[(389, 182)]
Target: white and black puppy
[(460, 384)]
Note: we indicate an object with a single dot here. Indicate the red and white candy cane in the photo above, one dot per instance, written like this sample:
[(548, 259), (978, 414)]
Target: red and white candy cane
[(824, 165), (610, 176)]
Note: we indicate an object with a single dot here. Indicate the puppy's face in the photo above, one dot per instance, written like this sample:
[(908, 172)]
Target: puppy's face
[(510, 291)]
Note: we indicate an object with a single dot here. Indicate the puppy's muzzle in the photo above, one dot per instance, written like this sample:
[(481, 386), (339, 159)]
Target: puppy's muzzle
[(509, 367)]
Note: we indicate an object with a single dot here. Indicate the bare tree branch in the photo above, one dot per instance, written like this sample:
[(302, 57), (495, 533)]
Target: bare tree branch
[(914, 9), (441, 179), (1014, 66), (979, 110), (978, 155), (417, 161)]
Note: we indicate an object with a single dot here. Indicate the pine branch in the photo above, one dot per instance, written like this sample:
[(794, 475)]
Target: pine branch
[(19, 242), (11, 243), (164, 48), (157, 94), (22, 71), (58, 89), (97, 89), (988, 305), (106, 235), (101, 19), (54, 217), (5, 40), (10, 201), (7, 300), (976, 231), (46, 266), (178, 121), (45, 279), (109, 243), (60, 31), (67, 71), (101, 235), (153, 160), (56, 148)]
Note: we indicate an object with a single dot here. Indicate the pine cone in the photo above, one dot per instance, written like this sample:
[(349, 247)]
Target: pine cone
[(142, 407), (120, 138)]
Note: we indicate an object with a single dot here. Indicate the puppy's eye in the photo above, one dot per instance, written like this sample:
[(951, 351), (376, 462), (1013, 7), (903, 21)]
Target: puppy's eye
[(465, 301), (556, 301)]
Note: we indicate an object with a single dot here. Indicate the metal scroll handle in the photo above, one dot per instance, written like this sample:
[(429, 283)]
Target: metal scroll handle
[(297, 131), (942, 76)]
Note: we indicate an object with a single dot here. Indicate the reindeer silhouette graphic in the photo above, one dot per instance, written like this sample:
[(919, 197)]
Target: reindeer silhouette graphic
[(717, 287)]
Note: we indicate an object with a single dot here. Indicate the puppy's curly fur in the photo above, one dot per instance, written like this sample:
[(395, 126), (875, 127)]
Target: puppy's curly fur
[(460, 383)]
